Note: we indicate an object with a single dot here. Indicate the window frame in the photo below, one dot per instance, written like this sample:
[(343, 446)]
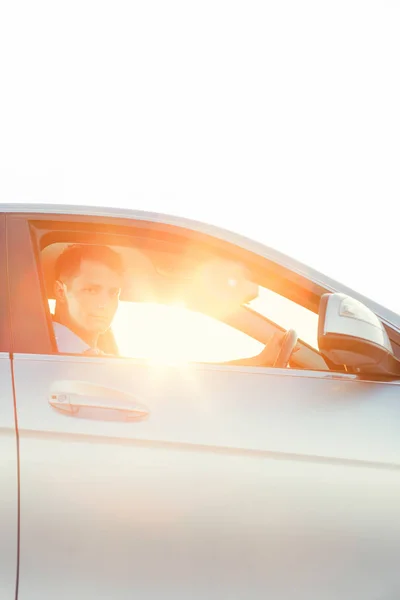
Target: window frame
[(5, 329), (29, 232), (25, 239)]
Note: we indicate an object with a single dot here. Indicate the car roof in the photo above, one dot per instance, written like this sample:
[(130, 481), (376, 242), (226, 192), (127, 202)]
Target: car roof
[(246, 243)]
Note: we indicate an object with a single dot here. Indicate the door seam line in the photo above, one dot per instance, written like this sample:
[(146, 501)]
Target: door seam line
[(18, 476)]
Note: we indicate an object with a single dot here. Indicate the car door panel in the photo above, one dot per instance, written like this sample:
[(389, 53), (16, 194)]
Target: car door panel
[(8, 484), (240, 483)]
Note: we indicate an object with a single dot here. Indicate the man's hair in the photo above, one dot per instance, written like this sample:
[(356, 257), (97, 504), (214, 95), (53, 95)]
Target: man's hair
[(69, 262)]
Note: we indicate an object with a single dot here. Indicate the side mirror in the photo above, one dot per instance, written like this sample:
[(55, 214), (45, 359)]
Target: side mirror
[(350, 334)]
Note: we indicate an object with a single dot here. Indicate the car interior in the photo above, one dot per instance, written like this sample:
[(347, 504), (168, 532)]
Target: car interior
[(203, 282)]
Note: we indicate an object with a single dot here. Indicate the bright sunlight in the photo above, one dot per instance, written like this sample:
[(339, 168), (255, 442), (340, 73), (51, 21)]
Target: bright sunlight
[(174, 334)]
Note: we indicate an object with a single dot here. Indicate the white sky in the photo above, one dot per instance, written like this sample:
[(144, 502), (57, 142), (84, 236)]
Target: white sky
[(279, 120)]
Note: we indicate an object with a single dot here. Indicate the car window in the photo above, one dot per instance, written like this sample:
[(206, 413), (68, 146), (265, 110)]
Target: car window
[(287, 314), (174, 333), (182, 309)]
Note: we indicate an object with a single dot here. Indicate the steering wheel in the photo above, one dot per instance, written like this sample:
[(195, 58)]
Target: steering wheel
[(287, 347)]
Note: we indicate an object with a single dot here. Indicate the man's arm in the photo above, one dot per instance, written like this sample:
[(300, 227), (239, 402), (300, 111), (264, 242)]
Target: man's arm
[(267, 356)]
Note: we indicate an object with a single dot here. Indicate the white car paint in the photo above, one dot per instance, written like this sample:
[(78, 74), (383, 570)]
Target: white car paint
[(291, 490)]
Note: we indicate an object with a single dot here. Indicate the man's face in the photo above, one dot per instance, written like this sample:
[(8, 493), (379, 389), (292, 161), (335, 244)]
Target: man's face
[(92, 296)]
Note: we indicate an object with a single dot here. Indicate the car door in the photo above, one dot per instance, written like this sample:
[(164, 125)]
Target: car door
[(8, 444), (207, 481)]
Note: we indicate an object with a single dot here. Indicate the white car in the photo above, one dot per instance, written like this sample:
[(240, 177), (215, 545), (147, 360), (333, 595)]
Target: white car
[(190, 467)]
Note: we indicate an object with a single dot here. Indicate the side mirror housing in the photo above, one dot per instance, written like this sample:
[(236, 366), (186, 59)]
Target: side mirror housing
[(350, 334)]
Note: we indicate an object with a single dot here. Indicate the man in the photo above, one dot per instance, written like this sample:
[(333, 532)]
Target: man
[(88, 281)]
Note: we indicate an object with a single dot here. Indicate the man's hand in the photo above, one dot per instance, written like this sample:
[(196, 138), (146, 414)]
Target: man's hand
[(267, 356)]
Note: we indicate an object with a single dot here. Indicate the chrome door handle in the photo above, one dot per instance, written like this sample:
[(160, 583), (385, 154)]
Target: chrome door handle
[(70, 396)]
